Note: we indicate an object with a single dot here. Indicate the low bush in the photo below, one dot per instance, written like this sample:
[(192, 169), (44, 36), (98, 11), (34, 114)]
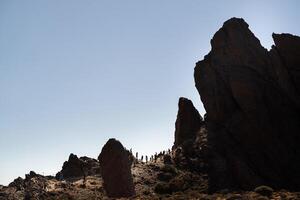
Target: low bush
[(264, 190)]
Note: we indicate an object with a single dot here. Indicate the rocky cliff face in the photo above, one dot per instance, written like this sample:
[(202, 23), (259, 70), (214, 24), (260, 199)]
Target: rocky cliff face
[(251, 96)]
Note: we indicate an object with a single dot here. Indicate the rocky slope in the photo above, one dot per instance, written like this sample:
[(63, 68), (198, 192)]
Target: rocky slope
[(153, 180), (246, 147)]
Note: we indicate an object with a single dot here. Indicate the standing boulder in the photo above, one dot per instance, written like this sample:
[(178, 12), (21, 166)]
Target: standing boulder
[(115, 166)]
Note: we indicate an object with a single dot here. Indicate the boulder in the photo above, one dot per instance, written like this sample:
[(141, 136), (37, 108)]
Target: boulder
[(115, 165), (251, 96)]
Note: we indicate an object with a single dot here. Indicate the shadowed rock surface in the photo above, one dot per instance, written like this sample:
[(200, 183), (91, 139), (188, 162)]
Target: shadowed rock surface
[(78, 167), (116, 170), (188, 122), (251, 96), (190, 138), (18, 183)]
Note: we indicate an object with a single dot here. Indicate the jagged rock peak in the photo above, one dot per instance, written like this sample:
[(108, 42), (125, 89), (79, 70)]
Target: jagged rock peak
[(78, 167), (234, 33), (188, 122), (251, 97)]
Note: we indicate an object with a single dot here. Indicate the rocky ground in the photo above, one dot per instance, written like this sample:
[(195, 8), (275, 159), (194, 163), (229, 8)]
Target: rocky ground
[(153, 180), (170, 176)]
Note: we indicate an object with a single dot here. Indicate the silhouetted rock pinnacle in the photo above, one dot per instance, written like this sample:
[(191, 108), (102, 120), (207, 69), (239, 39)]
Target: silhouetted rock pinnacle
[(251, 96), (188, 122), (116, 170)]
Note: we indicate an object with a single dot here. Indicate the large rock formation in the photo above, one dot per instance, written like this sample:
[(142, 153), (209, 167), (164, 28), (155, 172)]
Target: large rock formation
[(251, 96), (188, 122), (116, 170)]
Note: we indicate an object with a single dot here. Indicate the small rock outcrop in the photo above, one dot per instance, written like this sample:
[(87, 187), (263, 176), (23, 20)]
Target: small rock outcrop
[(188, 122), (18, 183), (252, 99), (78, 167), (116, 170), (71, 168)]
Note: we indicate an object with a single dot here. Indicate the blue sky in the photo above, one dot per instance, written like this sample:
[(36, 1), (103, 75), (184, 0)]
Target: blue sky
[(75, 73)]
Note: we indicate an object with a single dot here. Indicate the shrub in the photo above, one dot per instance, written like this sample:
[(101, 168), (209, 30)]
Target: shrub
[(264, 190), (164, 176), (234, 197), (146, 192), (162, 188), (178, 184), (167, 159), (169, 168)]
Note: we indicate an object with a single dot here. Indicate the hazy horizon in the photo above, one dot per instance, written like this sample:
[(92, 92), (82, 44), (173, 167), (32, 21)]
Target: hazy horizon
[(75, 74)]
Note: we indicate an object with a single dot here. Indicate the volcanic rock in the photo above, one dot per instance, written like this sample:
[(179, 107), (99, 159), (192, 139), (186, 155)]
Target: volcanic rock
[(18, 183), (188, 122), (116, 170), (72, 168), (78, 167), (31, 175), (92, 166), (251, 96)]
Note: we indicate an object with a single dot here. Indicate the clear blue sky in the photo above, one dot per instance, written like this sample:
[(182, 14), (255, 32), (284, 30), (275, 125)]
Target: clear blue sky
[(75, 73)]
